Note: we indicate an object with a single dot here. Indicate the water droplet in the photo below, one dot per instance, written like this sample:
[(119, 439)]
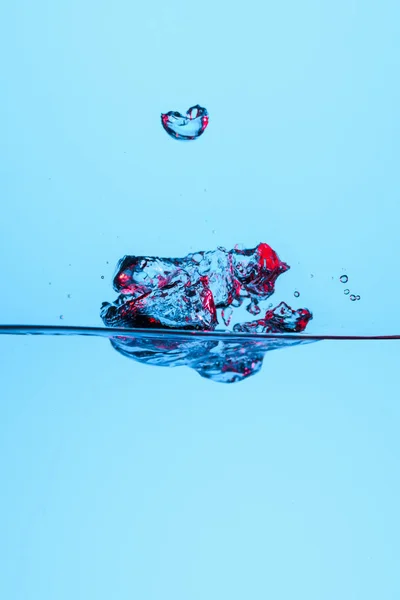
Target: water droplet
[(352, 297), (346, 292), (296, 294), (344, 279), (185, 127)]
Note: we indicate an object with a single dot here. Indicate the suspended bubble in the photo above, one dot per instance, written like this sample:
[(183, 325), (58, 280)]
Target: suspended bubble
[(61, 317), (346, 292), (344, 279), (296, 294), (352, 297), (357, 297), (102, 277), (188, 127)]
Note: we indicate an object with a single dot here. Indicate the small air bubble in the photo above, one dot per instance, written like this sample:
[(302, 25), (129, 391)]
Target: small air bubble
[(357, 297), (296, 294), (311, 275), (102, 276), (213, 231), (346, 292), (344, 279), (68, 295), (61, 317), (352, 297)]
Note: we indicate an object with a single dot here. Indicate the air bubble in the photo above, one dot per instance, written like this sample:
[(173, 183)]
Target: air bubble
[(352, 297), (296, 294), (344, 279), (357, 297), (346, 292)]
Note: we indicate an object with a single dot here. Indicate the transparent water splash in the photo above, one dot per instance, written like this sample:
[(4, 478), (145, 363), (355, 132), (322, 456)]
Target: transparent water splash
[(185, 293)]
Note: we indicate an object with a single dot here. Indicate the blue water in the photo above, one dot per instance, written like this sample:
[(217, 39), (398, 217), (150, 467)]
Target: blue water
[(123, 480)]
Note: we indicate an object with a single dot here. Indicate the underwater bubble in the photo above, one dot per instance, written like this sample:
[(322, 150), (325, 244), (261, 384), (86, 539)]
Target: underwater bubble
[(188, 127), (346, 292), (352, 297), (357, 297), (344, 279), (61, 317), (296, 294), (102, 277)]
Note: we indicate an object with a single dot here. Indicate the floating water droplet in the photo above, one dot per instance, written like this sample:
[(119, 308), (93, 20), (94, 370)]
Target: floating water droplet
[(346, 292), (352, 297), (185, 127), (296, 294), (344, 279)]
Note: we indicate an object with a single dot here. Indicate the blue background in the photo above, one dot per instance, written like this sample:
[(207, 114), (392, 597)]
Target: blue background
[(120, 480)]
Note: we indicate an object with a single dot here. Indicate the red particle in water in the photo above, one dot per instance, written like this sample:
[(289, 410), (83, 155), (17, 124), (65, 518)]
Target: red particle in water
[(268, 257), (123, 278), (162, 281), (208, 303)]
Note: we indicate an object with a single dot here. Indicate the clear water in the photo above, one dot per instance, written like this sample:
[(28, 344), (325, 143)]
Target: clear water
[(123, 479)]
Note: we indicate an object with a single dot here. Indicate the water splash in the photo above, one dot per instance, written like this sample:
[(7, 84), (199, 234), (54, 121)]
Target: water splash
[(185, 293)]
